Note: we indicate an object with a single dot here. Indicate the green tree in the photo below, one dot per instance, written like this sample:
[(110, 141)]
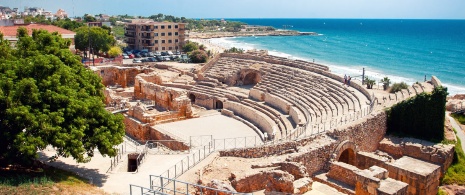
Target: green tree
[(47, 98), (190, 46), (100, 40), (386, 82), (115, 51), (369, 83), (89, 18), (398, 87), (198, 56)]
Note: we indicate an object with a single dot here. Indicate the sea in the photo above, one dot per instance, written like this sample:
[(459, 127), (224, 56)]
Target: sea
[(404, 50)]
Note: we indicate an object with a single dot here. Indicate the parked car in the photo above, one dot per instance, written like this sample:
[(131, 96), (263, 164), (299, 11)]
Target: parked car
[(151, 59), (144, 54), (157, 53), (136, 60), (159, 58), (151, 54), (164, 53), (125, 56), (170, 53), (145, 60), (177, 53), (131, 56), (137, 55)]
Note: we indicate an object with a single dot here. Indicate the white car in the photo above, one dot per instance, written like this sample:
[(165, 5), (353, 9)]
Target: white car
[(136, 60), (125, 56)]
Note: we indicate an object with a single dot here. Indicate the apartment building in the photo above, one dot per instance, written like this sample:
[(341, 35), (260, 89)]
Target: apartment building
[(155, 36)]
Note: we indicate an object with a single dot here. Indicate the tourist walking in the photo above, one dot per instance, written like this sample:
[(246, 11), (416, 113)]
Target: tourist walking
[(348, 81), (345, 79)]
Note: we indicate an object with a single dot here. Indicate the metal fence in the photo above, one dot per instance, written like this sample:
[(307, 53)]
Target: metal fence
[(238, 142), (188, 162), (164, 185)]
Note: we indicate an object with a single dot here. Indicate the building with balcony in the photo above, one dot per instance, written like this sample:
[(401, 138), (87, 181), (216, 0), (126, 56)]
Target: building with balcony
[(155, 36)]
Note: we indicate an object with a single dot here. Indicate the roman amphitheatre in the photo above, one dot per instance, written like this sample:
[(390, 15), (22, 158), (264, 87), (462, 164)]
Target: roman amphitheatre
[(256, 123)]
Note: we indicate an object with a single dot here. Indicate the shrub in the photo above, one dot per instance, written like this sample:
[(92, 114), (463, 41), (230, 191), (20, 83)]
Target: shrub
[(455, 174), (420, 117), (398, 87), (234, 50), (198, 56), (115, 51), (459, 117), (190, 46)]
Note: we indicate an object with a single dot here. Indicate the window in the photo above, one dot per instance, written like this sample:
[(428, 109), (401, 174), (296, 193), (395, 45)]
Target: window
[(169, 26), (163, 48), (176, 40), (170, 34), (155, 34), (170, 41), (162, 26), (175, 26), (175, 33), (156, 27), (162, 41), (170, 48), (162, 34), (156, 41)]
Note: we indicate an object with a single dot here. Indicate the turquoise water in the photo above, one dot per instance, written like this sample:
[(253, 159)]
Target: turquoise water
[(403, 50)]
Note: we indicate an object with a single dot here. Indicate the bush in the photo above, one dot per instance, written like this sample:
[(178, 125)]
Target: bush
[(398, 87), (459, 117), (198, 56), (455, 174), (234, 50), (420, 117), (115, 51)]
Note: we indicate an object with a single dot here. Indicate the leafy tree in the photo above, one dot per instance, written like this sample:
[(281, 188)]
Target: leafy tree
[(198, 56), (100, 40), (115, 51), (113, 20), (47, 98), (190, 46), (89, 18)]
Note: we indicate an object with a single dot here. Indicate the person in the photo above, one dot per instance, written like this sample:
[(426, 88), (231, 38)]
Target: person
[(348, 81), (345, 79)]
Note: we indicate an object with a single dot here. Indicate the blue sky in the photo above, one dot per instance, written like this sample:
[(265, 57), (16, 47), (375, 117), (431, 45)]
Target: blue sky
[(405, 9)]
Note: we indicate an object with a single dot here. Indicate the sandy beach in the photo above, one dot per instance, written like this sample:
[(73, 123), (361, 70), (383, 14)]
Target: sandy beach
[(215, 48)]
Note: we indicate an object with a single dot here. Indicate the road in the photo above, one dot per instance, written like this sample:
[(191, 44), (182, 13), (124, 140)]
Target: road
[(459, 133)]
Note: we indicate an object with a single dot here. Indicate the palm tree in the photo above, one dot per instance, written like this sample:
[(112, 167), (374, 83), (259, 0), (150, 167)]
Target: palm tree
[(386, 81), (369, 83)]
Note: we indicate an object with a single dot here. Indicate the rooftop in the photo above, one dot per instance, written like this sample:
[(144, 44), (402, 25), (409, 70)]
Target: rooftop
[(10, 31)]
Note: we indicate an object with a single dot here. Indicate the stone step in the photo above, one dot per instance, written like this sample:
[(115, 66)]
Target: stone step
[(340, 186)]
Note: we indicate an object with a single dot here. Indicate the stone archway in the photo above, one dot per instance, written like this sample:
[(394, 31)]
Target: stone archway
[(346, 152), (192, 98), (219, 104), (251, 78)]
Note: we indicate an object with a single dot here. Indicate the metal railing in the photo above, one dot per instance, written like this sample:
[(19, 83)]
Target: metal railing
[(188, 162), (238, 142), (116, 159), (135, 189), (163, 185), (141, 157)]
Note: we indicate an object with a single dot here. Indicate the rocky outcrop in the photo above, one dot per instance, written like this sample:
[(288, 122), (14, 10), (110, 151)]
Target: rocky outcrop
[(279, 181), (224, 186)]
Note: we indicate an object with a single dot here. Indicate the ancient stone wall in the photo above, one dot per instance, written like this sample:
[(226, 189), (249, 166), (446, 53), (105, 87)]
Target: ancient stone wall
[(123, 76), (136, 129), (277, 103), (439, 154), (296, 115), (436, 82), (366, 133), (343, 172), (260, 119)]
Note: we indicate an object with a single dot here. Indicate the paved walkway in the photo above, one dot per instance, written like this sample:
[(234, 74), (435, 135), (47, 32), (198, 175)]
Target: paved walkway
[(459, 133)]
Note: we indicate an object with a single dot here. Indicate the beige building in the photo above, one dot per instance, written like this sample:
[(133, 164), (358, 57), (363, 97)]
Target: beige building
[(155, 36)]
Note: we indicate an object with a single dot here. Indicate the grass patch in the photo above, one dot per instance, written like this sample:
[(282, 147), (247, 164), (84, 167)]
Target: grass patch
[(459, 117), (455, 174), (49, 180)]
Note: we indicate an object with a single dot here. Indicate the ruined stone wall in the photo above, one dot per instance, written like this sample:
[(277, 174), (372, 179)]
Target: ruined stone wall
[(366, 134), (277, 103), (173, 145), (343, 172), (260, 119), (123, 76), (136, 129), (439, 154)]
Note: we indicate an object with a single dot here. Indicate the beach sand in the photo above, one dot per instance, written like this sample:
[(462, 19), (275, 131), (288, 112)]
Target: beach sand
[(209, 45)]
